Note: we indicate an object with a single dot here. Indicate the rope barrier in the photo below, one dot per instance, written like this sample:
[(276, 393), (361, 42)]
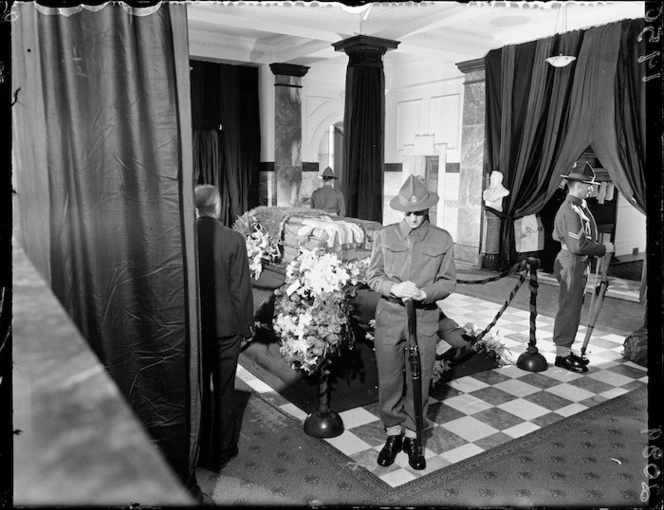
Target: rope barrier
[(527, 266), (519, 266)]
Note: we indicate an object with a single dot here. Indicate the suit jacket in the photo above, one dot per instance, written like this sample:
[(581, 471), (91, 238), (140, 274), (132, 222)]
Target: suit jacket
[(227, 306)]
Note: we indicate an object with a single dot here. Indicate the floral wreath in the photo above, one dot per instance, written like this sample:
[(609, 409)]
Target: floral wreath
[(313, 309)]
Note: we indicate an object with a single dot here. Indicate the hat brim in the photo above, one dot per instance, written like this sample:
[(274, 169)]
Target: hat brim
[(427, 203), (578, 179)]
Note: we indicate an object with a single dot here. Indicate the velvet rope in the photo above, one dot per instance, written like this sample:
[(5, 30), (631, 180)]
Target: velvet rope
[(527, 266)]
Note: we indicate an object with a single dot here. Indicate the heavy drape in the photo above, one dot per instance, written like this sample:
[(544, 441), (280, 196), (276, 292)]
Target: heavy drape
[(361, 178), (102, 137), (540, 119), (227, 139)]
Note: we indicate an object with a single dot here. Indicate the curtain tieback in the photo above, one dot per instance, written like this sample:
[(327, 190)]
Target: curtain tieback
[(500, 214)]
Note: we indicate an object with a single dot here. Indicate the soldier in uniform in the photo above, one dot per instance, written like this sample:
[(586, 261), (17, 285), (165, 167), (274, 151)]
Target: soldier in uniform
[(328, 198), (410, 260), (576, 230)]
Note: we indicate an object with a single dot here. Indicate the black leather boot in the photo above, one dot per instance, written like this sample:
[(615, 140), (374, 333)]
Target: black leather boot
[(581, 359), (571, 364), (389, 452), (414, 450)]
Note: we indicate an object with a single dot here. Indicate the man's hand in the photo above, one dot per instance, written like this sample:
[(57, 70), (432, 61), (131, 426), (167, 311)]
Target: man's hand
[(405, 290), (609, 247), (421, 296)]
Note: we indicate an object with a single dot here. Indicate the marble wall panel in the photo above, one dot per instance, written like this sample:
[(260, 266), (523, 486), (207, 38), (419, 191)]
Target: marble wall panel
[(288, 164), (310, 182), (288, 141), (474, 104)]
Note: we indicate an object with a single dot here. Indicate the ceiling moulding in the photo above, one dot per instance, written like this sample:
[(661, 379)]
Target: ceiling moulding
[(206, 38)]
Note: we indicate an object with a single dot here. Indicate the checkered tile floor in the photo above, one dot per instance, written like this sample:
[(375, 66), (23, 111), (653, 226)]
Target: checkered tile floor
[(475, 413)]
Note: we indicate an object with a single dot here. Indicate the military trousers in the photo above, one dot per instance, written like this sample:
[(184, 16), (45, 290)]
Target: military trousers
[(393, 365), (571, 271)]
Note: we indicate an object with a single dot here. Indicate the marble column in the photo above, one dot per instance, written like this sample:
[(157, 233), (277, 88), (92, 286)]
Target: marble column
[(361, 177), (471, 176), (288, 132)]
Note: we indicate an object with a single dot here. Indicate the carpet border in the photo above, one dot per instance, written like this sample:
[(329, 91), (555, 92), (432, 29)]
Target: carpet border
[(433, 480), (360, 474)]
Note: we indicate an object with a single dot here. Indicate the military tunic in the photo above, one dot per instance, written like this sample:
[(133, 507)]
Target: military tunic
[(425, 257), (576, 230), (329, 199)]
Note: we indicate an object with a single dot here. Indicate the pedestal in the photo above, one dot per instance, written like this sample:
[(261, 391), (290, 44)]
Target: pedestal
[(323, 422)]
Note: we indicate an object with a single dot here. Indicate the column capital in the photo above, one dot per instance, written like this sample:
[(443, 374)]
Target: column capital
[(474, 70), (365, 43), (469, 66), (279, 69)]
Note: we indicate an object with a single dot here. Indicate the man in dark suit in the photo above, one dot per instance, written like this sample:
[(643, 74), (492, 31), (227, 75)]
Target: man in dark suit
[(227, 316)]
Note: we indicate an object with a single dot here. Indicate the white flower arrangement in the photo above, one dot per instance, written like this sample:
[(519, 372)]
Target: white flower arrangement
[(261, 247), (313, 309)]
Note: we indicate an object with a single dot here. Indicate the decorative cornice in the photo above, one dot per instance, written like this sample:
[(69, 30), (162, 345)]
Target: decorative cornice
[(288, 69), (471, 65), (365, 43)]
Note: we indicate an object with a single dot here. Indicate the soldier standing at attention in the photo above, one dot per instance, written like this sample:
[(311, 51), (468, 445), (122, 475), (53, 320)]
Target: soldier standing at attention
[(409, 260), (328, 198), (576, 230)]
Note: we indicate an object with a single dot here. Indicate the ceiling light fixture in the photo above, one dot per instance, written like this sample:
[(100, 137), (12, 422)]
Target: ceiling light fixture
[(561, 60)]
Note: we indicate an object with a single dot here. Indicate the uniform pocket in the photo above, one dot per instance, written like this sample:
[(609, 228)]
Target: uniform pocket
[(394, 259), (432, 258)]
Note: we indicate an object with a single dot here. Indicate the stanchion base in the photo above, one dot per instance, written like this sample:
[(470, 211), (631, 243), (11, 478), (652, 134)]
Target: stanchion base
[(532, 361), (324, 424)]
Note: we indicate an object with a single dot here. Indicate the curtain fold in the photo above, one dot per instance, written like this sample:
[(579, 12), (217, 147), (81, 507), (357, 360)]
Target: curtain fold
[(226, 122), (114, 188), (621, 132), (540, 119), (361, 178)]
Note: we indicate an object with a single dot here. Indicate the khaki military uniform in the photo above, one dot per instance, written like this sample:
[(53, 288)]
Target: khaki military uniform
[(576, 230), (425, 257), (329, 199)]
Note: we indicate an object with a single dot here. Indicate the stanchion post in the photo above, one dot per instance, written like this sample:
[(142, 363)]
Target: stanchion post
[(532, 360)]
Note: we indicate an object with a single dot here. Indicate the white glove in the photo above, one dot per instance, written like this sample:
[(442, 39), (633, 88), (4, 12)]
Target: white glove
[(609, 247), (405, 290)]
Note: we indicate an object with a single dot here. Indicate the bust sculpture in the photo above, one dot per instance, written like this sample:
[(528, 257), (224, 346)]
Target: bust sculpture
[(494, 194)]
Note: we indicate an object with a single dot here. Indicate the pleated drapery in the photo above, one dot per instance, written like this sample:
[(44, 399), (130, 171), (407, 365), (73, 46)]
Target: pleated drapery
[(227, 139), (102, 138), (361, 179), (540, 119)]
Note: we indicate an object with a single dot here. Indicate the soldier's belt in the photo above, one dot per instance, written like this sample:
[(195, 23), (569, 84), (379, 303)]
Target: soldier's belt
[(563, 247)]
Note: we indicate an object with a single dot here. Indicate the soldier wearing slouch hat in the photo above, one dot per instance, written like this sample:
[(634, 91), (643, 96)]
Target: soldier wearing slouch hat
[(412, 259)]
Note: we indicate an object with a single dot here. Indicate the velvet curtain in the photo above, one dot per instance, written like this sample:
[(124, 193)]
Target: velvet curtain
[(102, 138), (227, 139), (540, 118), (361, 178)]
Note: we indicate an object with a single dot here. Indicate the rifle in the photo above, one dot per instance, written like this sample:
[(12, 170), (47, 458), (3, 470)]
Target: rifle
[(601, 285), (415, 368)]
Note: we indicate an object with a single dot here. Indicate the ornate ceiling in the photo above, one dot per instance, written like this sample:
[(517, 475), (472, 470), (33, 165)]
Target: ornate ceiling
[(303, 32)]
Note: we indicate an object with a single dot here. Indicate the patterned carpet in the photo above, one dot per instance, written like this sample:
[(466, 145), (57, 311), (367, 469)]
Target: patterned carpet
[(593, 458)]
